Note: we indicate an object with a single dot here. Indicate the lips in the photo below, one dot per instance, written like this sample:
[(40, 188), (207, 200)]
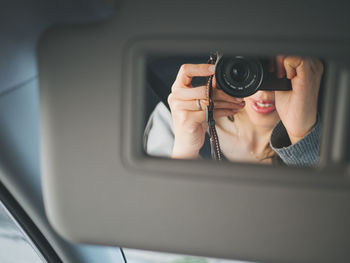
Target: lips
[(263, 106)]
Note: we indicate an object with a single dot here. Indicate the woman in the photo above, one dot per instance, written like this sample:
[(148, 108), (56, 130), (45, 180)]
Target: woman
[(266, 126)]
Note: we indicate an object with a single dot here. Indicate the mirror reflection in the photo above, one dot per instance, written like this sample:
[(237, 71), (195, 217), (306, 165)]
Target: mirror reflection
[(235, 108)]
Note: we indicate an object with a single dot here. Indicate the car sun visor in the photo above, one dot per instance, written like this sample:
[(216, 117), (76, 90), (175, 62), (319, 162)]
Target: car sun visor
[(100, 187)]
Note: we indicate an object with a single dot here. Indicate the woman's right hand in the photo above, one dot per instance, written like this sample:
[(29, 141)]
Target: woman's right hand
[(189, 121)]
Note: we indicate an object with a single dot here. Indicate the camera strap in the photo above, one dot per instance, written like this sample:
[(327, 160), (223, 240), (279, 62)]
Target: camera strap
[(209, 117)]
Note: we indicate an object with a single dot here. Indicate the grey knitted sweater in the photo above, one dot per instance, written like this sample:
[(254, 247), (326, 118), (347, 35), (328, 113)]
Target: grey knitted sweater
[(159, 140)]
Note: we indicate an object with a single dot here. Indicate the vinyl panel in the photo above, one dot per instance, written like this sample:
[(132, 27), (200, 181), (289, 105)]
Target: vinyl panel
[(100, 188)]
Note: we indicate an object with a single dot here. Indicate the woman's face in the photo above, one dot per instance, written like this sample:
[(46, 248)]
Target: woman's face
[(261, 110)]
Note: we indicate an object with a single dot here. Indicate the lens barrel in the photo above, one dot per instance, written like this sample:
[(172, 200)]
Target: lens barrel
[(239, 76)]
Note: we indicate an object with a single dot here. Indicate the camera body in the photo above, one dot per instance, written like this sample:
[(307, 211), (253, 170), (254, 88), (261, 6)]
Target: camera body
[(241, 76)]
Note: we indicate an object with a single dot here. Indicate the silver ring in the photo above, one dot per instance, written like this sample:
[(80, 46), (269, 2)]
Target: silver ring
[(198, 102)]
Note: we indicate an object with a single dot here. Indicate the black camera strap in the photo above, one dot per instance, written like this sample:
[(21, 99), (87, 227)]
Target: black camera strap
[(209, 116)]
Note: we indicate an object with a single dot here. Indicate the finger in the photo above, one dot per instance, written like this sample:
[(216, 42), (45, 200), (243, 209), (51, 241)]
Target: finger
[(188, 105), (294, 66), (188, 71), (185, 93), (228, 105), (214, 82), (192, 105), (281, 72), (220, 95), (316, 66), (199, 116)]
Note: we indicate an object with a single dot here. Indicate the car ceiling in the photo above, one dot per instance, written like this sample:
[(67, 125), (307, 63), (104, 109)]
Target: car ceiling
[(21, 25)]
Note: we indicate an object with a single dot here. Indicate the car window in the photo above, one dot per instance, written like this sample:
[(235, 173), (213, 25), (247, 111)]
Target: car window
[(15, 245), (143, 256)]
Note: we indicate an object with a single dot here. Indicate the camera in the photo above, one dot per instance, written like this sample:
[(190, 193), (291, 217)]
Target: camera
[(241, 76)]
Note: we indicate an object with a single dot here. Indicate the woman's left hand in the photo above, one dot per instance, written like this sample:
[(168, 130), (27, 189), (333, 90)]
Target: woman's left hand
[(297, 108)]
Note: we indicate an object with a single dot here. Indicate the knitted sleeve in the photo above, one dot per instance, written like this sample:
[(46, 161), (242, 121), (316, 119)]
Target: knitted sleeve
[(303, 153)]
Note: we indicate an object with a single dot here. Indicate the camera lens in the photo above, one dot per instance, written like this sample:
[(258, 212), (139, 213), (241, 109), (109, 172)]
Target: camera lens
[(239, 76), (240, 71)]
